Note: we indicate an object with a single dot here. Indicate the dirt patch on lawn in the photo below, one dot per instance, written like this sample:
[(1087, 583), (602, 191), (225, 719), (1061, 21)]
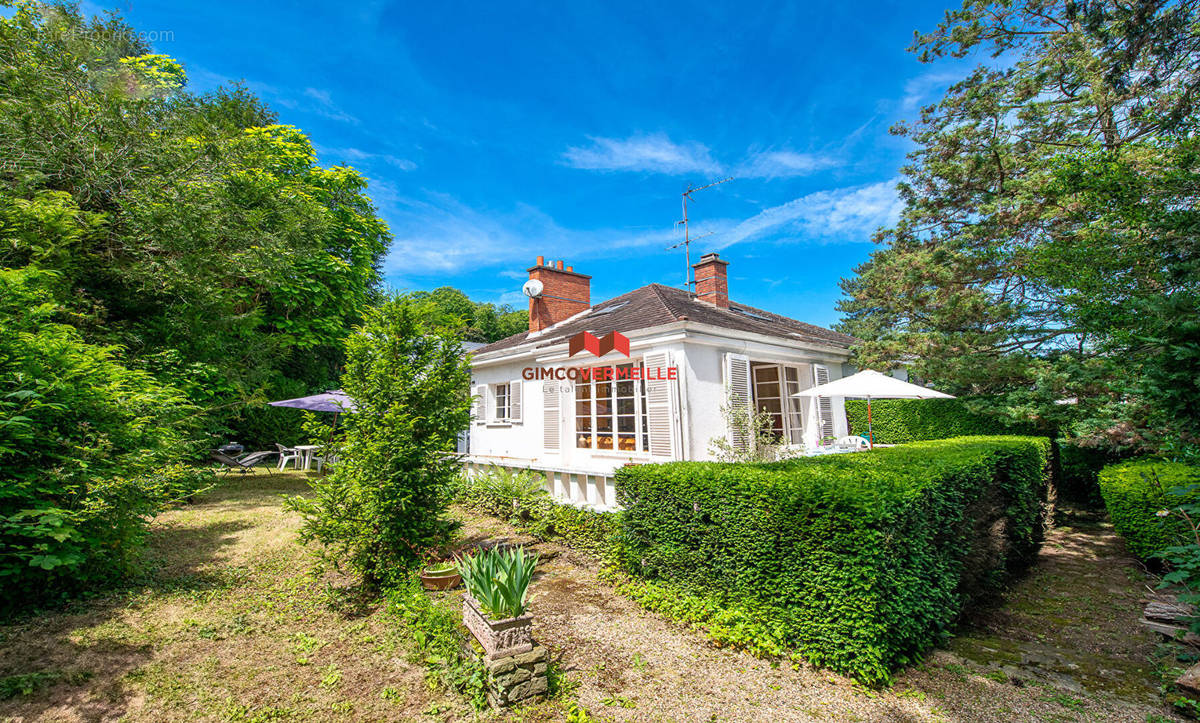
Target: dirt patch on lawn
[(1066, 646)]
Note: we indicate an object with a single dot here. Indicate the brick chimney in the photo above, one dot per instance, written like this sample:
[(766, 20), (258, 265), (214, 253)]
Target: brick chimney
[(565, 293), (712, 284)]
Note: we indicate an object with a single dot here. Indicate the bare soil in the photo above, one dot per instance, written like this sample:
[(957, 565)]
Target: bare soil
[(229, 624)]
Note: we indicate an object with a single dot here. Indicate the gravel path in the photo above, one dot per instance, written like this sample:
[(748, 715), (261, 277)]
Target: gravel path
[(1013, 664)]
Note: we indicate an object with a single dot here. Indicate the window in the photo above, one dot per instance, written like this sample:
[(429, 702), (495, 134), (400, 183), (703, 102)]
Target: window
[(500, 403), (609, 309), (610, 409), (774, 385)]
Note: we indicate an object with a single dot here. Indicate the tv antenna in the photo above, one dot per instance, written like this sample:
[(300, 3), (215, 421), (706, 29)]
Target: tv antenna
[(686, 243)]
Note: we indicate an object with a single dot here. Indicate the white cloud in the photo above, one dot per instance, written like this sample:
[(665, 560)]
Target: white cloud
[(357, 155), (843, 213), (650, 153), (326, 107), (926, 88), (438, 234), (311, 100), (784, 164), (515, 299)]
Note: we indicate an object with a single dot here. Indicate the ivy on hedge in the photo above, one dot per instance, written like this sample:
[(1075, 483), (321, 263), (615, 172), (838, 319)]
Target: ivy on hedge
[(859, 562), (1135, 491)]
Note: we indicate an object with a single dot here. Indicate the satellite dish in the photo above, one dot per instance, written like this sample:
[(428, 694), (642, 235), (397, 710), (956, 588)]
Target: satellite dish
[(532, 288)]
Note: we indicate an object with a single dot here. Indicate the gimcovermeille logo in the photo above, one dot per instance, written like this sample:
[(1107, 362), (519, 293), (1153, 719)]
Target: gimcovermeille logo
[(584, 341), (599, 346)]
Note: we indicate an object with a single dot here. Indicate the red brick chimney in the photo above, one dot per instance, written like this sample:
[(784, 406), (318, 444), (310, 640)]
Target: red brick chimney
[(565, 293), (712, 283)]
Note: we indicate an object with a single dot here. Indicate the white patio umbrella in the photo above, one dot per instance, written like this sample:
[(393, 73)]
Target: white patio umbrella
[(872, 384)]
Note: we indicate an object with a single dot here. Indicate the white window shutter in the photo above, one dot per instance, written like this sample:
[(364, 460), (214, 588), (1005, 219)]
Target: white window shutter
[(824, 404), (660, 406), (737, 385), (514, 402), (551, 417), (479, 411)]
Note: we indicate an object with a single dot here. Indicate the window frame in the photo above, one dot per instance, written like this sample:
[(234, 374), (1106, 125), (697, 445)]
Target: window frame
[(791, 412), (639, 414), (496, 396)]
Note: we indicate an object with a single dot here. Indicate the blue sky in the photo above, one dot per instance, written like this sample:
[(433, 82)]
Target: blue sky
[(495, 132)]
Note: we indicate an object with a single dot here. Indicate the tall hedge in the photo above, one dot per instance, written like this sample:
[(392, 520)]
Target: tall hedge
[(1135, 491), (898, 421), (860, 562)]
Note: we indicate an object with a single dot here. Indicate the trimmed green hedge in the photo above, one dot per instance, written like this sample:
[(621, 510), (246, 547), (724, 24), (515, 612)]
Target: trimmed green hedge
[(860, 562), (1133, 498), (898, 421)]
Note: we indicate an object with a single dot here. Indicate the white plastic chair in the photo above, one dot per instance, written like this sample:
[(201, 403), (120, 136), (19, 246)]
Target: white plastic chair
[(287, 454), (323, 460), (854, 442)]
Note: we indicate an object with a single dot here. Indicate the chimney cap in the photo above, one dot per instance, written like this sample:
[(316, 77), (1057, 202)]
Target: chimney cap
[(710, 258)]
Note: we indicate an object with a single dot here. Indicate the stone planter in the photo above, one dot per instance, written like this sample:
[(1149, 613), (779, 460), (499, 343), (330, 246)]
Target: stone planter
[(517, 679), (499, 638)]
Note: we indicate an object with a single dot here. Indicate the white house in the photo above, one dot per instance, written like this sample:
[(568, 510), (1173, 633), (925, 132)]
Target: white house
[(569, 399)]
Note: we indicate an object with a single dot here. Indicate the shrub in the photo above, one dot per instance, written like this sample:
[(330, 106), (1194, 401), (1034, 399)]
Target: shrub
[(88, 452), (897, 421), (500, 491), (499, 580), (584, 529), (860, 562), (1134, 492), (384, 504), (438, 641), (519, 497)]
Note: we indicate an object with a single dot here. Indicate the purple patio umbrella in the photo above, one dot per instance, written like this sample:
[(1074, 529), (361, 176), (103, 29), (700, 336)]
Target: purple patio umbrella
[(334, 400)]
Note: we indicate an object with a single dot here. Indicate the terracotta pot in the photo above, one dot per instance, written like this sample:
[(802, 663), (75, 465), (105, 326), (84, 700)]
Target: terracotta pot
[(440, 580), (499, 638)]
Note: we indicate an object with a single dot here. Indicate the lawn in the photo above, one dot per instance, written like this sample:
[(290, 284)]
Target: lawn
[(230, 625)]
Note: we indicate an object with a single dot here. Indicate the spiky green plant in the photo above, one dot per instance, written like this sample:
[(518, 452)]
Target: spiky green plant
[(498, 580)]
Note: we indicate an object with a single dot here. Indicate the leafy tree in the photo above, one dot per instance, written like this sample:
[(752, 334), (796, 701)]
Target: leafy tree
[(384, 503), (192, 231), (479, 321), (1031, 261), (88, 449)]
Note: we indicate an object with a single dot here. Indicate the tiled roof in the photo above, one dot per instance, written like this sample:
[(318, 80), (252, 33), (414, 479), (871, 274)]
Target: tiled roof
[(656, 305)]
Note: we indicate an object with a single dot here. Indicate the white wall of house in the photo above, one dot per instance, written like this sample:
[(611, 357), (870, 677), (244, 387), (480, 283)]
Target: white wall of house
[(706, 388), (699, 355)]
